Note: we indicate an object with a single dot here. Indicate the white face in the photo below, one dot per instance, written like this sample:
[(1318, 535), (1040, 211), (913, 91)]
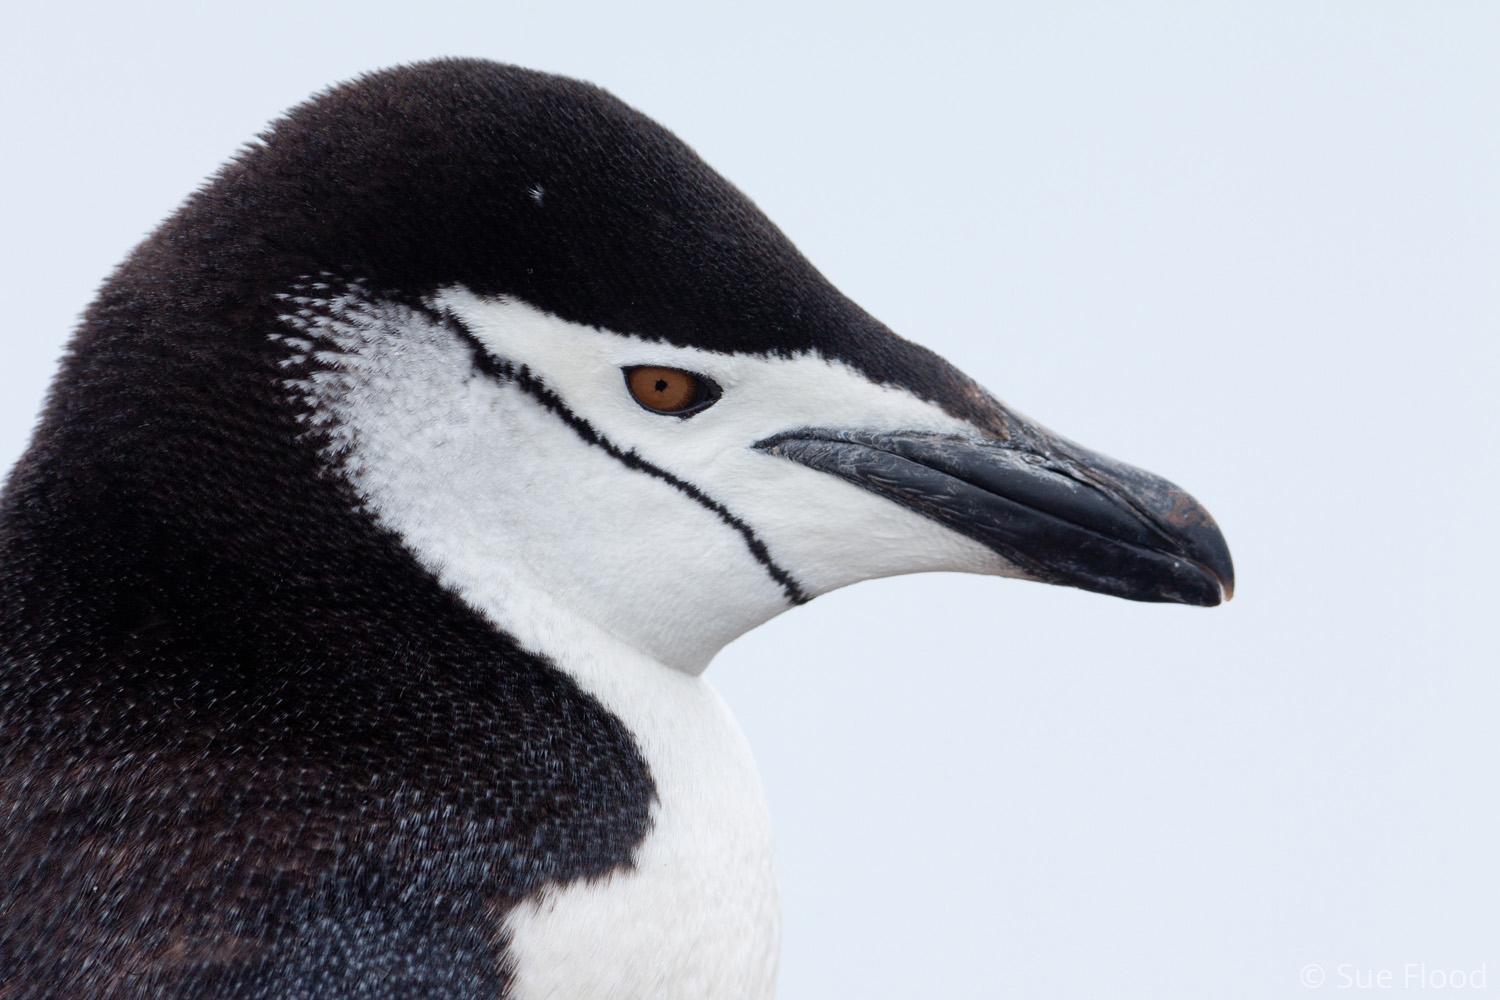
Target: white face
[(555, 502)]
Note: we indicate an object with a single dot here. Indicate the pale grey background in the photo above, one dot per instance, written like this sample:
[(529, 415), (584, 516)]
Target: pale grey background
[(1253, 247)]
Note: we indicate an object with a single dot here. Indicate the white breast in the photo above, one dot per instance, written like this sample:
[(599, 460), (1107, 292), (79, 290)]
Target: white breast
[(697, 917)]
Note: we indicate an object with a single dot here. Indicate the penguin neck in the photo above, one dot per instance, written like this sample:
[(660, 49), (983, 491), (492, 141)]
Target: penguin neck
[(701, 893), (524, 608)]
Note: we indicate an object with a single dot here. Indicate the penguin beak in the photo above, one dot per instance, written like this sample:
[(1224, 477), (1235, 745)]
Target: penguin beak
[(1059, 512)]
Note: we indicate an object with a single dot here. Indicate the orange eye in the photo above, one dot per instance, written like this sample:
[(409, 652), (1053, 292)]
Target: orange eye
[(671, 390)]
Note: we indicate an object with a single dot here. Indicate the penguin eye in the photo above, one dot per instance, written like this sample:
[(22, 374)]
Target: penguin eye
[(671, 390)]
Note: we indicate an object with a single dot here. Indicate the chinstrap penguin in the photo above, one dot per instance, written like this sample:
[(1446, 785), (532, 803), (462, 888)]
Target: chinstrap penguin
[(393, 496)]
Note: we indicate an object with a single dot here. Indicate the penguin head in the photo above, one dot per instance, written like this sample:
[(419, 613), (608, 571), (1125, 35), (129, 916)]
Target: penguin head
[(589, 386)]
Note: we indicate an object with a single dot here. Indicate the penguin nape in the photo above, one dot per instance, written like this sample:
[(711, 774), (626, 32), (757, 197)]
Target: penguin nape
[(391, 499)]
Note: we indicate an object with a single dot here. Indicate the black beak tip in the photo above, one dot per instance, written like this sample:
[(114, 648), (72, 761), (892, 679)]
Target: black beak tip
[(1209, 551), (1187, 528), (1226, 579)]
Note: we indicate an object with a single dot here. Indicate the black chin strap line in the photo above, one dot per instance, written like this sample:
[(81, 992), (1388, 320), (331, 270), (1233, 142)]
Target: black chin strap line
[(503, 371)]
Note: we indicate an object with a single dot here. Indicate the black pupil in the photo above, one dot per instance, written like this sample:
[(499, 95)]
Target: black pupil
[(661, 385)]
